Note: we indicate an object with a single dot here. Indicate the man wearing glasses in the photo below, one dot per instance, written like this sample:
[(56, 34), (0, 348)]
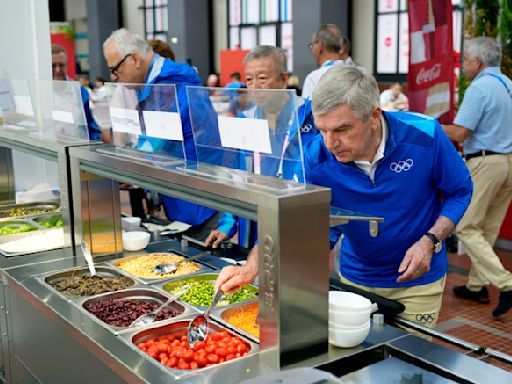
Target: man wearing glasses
[(325, 46), (59, 72), (131, 60)]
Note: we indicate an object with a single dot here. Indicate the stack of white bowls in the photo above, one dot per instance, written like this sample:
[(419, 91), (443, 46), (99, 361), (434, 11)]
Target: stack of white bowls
[(349, 318)]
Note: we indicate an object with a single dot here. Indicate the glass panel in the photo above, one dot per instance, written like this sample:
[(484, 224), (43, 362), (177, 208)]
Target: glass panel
[(388, 6), (267, 35), (63, 113), (234, 12), (248, 38), (16, 111), (146, 122), (403, 47), (256, 132), (387, 26)]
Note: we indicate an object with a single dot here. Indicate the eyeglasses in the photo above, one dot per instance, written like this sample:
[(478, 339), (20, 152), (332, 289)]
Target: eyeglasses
[(114, 69)]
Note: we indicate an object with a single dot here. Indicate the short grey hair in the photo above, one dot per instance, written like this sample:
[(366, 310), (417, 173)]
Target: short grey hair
[(346, 85), (330, 36), (278, 55), (485, 48), (128, 42)]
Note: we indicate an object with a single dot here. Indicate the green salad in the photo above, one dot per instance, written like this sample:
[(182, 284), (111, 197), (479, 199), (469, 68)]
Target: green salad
[(201, 294), (11, 230)]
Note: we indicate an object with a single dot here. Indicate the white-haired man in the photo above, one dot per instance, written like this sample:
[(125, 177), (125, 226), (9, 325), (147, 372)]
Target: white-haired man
[(131, 60), (483, 123)]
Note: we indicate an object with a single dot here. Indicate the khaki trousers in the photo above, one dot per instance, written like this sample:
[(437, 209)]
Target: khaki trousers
[(422, 302), (479, 228)]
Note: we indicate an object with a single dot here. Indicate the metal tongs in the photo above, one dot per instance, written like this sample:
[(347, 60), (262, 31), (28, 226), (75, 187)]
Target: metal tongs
[(88, 257)]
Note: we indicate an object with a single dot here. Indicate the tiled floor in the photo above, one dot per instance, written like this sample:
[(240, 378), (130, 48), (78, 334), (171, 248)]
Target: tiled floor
[(472, 321)]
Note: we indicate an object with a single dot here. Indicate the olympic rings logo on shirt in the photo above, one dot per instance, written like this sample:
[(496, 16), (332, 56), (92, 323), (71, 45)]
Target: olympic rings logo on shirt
[(426, 318), (402, 165), (306, 128)]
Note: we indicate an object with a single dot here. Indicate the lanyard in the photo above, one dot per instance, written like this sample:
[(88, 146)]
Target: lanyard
[(501, 81), (257, 158)]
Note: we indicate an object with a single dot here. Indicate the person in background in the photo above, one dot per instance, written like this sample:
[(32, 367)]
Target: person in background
[(393, 99), (483, 123), (266, 68), (396, 165), (131, 60), (345, 51), (325, 47), (100, 92), (59, 72), (162, 48), (213, 80), (235, 82), (293, 83), (85, 83)]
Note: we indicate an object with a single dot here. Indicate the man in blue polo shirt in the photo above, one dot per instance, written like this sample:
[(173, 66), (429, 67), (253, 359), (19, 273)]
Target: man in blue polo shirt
[(131, 60), (483, 122), (397, 165)]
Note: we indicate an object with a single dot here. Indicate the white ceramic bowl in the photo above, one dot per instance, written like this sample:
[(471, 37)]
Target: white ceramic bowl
[(334, 325), (130, 223), (135, 241), (348, 302), (348, 338), (349, 319)]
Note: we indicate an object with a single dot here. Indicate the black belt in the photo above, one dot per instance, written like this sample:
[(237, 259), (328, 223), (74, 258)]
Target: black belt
[(481, 153)]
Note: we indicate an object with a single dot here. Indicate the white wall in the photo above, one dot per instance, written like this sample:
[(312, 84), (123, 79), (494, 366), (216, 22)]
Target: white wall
[(363, 30)]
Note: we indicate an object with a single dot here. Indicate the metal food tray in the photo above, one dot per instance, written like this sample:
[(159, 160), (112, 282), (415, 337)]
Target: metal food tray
[(212, 276), (102, 270), (141, 293), (147, 281), (219, 314), (5, 209), (181, 327), (17, 223)]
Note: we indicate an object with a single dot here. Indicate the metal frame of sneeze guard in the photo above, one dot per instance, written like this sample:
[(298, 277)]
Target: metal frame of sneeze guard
[(146, 123), (293, 232), (249, 131)]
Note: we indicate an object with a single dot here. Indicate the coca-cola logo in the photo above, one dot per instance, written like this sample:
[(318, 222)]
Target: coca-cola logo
[(427, 75)]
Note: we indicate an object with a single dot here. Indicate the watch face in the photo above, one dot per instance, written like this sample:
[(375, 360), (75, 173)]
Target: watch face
[(438, 247)]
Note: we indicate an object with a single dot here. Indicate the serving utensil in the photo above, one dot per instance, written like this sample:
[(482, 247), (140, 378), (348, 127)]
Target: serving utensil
[(198, 327), (88, 257), (166, 268), (150, 317)]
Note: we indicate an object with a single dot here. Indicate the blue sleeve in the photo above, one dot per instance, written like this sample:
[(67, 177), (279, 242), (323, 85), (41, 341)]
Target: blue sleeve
[(227, 224), (451, 177), (94, 129), (334, 236), (472, 108)]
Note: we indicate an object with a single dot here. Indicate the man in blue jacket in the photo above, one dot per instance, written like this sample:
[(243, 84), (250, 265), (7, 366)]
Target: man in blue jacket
[(265, 68), (397, 165), (131, 60)]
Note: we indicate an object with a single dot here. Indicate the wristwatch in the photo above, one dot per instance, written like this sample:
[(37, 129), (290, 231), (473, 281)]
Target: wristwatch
[(438, 245)]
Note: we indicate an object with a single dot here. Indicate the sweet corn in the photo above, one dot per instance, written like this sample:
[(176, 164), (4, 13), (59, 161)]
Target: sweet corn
[(142, 266)]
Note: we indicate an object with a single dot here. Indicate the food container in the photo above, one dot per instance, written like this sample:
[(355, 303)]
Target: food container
[(70, 282), (200, 295), (150, 341), (14, 229), (235, 315), (27, 210), (141, 266), (117, 310), (52, 220)]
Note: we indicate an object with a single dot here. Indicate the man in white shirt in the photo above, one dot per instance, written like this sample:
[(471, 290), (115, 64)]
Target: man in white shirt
[(393, 99), (326, 44)]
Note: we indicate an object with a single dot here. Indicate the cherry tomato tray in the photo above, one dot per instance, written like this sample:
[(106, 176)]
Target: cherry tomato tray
[(146, 294), (177, 329)]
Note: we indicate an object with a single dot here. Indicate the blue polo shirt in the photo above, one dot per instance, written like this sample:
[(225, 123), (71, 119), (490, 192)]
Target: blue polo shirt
[(487, 112)]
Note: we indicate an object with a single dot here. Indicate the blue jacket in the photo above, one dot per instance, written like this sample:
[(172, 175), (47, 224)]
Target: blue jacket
[(420, 178), (165, 71), (94, 129), (270, 165)]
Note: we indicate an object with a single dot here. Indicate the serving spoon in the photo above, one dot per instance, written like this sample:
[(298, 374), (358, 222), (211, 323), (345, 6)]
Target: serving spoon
[(198, 327), (166, 268)]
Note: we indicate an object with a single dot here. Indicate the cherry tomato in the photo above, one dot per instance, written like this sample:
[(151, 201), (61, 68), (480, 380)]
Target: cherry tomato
[(189, 355), (152, 351), (216, 336), (194, 365), (210, 349), (172, 362), (201, 360), (221, 344), (212, 359), (183, 366), (221, 352), (199, 345), (231, 356)]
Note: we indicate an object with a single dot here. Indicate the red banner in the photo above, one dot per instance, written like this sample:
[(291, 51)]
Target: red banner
[(431, 59)]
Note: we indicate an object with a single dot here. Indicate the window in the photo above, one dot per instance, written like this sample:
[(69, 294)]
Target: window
[(155, 19), (392, 38), (258, 22)]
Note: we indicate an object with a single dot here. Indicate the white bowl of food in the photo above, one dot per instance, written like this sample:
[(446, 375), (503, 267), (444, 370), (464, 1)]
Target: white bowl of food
[(348, 337), (348, 302), (135, 241)]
